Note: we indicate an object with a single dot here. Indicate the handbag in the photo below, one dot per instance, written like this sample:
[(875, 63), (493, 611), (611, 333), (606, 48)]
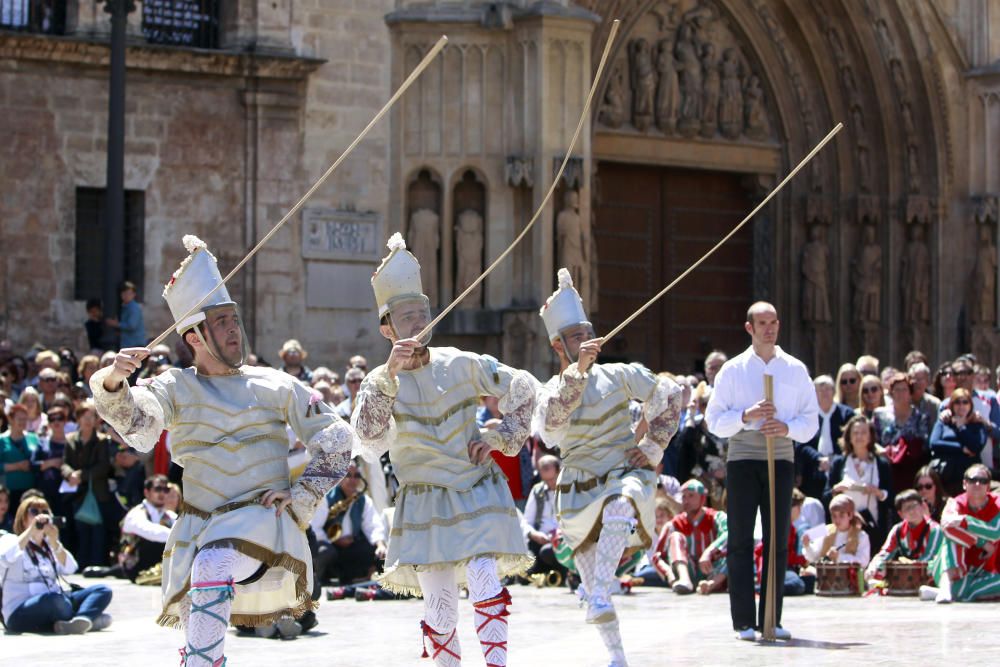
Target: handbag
[(89, 511)]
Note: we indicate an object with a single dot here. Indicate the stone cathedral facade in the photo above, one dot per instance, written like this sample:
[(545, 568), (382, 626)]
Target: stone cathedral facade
[(887, 241)]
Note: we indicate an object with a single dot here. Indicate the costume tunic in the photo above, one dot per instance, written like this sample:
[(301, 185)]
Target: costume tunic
[(448, 509), (228, 433), (587, 417)]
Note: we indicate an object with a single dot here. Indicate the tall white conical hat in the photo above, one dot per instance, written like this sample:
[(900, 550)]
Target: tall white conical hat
[(196, 276), (397, 277), (564, 308)]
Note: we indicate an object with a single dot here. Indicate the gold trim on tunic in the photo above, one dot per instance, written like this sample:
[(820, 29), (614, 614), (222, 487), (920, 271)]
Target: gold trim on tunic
[(443, 417), (458, 518), (420, 435), (600, 420)]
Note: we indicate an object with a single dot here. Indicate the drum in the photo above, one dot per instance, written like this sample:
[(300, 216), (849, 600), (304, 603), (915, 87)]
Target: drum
[(838, 579), (905, 578)]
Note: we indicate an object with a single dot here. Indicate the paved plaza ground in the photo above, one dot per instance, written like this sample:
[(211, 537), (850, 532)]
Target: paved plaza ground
[(547, 629)]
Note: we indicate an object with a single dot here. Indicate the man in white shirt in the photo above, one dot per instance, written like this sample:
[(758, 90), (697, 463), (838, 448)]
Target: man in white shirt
[(348, 516), (737, 410), (146, 528), (538, 522)]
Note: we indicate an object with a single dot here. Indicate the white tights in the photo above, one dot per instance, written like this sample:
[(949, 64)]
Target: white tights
[(205, 612)]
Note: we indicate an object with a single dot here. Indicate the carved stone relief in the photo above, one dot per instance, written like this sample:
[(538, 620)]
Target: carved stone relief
[(915, 285), (572, 244), (866, 283), (423, 230), (469, 252)]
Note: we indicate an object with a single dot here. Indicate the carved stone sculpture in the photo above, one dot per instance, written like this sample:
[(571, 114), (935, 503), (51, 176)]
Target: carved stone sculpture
[(711, 89), (689, 67), (643, 84), (984, 279), (667, 90), (731, 104), (756, 123), (915, 278), (815, 278), (913, 168), (423, 236), (867, 285), (571, 239), (612, 112), (469, 251)]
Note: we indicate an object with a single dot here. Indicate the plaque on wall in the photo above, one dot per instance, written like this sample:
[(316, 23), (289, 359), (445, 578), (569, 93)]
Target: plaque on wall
[(340, 235)]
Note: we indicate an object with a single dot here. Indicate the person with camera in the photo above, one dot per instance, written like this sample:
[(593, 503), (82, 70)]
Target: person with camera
[(33, 561)]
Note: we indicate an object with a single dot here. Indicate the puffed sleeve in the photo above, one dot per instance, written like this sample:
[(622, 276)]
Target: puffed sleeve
[(557, 400), (516, 390), (374, 425), (139, 414)]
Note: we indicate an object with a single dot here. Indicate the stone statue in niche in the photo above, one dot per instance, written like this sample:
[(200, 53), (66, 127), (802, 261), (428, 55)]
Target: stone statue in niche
[(755, 117), (571, 240), (423, 236), (866, 280), (915, 278), (731, 104), (643, 84), (913, 168), (815, 278), (711, 88), (984, 279), (864, 159), (612, 112), (908, 125), (667, 91), (469, 249), (689, 81)]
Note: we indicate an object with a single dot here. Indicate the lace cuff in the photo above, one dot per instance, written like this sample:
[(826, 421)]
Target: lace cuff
[(374, 426), (133, 412), (331, 454), (557, 403), (384, 382), (517, 406), (663, 413)]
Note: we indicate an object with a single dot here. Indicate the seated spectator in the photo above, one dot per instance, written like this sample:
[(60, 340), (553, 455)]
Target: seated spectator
[(30, 399), (872, 396), (920, 380), (903, 431), (34, 560), (88, 366), (812, 459), (689, 548), (48, 385), (146, 528), (6, 517), (845, 540), (293, 357), (864, 476), (985, 405), (799, 579), (646, 573), (538, 522), (129, 473), (867, 365), (18, 449), (811, 514), (957, 440), (702, 455), (928, 484), (915, 538), (172, 501), (49, 457), (944, 381), (848, 389), (352, 379), (970, 567), (981, 381), (324, 374), (349, 532), (87, 466)]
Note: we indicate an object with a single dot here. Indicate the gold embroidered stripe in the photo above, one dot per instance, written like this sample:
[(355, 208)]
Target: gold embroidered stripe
[(458, 518), (233, 473), (447, 393), (472, 401), (420, 435), (216, 408), (224, 431), (230, 447), (600, 420), (580, 432)]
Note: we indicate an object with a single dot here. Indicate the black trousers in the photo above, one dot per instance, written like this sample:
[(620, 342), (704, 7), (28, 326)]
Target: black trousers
[(746, 483), (545, 558), (347, 563)]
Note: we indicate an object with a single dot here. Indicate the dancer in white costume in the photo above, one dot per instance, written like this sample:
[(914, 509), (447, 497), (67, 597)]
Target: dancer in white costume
[(455, 522), (238, 553), (607, 487)]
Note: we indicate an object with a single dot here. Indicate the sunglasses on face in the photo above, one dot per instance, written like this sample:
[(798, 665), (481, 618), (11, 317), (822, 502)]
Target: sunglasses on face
[(962, 402), (870, 390), (982, 481), (354, 382), (47, 380), (848, 381), (55, 419), (161, 489), (963, 373), (925, 487)]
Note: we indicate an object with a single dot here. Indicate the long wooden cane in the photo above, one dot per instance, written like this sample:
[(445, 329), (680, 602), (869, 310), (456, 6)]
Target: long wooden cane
[(548, 195), (440, 44), (770, 613)]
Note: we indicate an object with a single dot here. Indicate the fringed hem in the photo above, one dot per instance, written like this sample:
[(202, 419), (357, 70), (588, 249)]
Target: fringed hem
[(508, 565), (303, 591)]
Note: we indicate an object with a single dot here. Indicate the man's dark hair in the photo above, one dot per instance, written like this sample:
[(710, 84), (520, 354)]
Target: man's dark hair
[(94, 303), (152, 481), (908, 496)]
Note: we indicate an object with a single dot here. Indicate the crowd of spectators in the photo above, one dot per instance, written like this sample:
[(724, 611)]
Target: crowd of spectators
[(74, 495)]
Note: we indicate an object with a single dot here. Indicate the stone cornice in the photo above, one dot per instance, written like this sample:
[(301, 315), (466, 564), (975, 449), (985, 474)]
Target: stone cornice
[(156, 58), (478, 14)]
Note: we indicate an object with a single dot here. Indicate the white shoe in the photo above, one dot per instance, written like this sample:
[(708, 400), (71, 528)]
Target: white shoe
[(943, 597), (746, 635), (928, 593), (600, 610), (77, 625), (101, 622), (288, 627), (782, 634)]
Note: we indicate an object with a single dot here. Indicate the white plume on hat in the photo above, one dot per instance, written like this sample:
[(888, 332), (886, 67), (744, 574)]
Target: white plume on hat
[(197, 275), (564, 308), (398, 276)]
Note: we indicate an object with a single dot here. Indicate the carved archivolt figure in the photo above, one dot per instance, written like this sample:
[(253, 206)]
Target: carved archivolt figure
[(915, 279), (423, 236), (710, 92), (756, 123), (667, 91), (731, 104), (469, 248), (612, 111), (643, 84), (815, 278), (984, 279)]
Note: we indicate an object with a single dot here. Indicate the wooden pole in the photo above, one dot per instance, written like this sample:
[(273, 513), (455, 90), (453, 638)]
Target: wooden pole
[(440, 44), (770, 592)]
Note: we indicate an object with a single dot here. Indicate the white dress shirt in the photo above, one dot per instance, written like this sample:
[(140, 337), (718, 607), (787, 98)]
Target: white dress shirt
[(863, 555), (371, 523), (148, 528), (740, 385), (548, 522), (826, 432)]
